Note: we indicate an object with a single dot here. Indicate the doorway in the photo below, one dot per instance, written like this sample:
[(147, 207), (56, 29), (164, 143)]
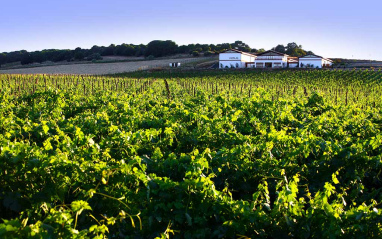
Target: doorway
[(268, 65)]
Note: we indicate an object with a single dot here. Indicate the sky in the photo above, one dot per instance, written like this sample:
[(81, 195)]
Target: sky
[(331, 28)]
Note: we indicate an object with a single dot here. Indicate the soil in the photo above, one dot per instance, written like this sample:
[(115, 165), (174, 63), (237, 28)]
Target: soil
[(102, 68)]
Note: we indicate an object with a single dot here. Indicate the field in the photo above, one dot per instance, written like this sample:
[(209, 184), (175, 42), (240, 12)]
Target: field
[(101, 68), (213, 154)]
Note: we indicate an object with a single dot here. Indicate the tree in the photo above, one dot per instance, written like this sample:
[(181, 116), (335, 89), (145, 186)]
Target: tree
[(183, 49), (140, 50), (309, 52), (195, 53), (205, 47), (241, 46), (120, 50), (109, 51), (159, 48), (26, 59), (94, 56), (38, 56), (129, 51), (208, 53), (225, 46), (290, 48), (293, 49), (78, 54), (261, 50), (96, 49), (3, 59), (280, 48), (298, 52)]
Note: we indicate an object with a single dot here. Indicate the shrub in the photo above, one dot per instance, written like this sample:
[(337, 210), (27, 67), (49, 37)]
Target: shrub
[(195, 53), (150, 57), (94, 56), (208, 53)]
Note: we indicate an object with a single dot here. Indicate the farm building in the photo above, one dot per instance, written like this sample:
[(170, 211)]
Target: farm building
[(235, 59), (175, 64), (314, 61), (270, 59), (292, 62)]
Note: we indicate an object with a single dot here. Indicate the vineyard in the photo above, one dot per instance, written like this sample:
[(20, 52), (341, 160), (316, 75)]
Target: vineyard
[(237, 154)]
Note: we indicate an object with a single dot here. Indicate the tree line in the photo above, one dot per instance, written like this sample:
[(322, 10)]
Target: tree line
[(156, 48)]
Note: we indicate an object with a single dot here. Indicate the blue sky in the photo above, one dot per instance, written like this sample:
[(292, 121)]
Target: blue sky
[(332, 28)]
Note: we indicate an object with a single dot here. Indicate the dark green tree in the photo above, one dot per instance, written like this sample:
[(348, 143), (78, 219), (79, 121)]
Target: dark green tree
[(79, 54), (26, 59), (195, 53), (280, 48), (38, 56), (159, 48), (261, 50), (120, 50), (3, 59), (130, 50), (109, 51), (184, 49)]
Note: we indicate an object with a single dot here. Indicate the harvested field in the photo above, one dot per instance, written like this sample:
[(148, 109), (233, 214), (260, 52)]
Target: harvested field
[(101, 68)]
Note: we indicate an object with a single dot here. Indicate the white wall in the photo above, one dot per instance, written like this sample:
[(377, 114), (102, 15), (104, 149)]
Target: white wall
[(230, 57), (247, 58), (229, 60), (271, 61), (271, 58), (230, 64), (315, 62), (235, 60)]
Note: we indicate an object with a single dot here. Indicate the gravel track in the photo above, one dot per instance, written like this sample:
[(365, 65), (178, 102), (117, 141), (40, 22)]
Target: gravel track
[(99, 68)]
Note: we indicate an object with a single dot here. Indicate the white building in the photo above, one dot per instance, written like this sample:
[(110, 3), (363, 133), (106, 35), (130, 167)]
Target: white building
[(175, 64), (292, 62), (314, 61), (235, 59), (271, 59)]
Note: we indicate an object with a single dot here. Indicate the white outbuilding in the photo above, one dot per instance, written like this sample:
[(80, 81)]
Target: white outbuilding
[(314, 61), (175, 64), (236, 59)]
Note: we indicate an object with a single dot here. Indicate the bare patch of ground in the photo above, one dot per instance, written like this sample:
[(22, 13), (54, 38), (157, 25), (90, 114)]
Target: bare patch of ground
[(122, 58), (102, 68)]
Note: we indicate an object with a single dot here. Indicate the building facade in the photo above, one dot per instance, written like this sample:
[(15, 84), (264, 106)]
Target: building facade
[(269, 59), (235, 59), (314, 61), (292, 62)]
